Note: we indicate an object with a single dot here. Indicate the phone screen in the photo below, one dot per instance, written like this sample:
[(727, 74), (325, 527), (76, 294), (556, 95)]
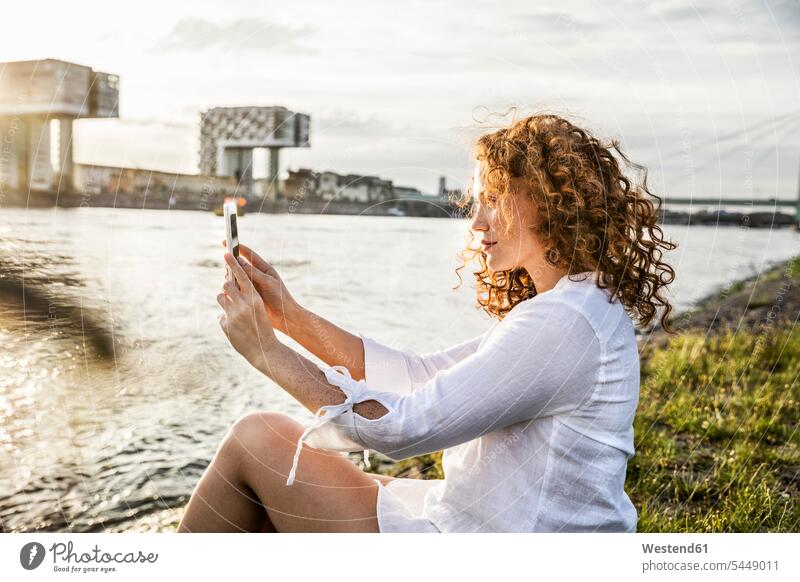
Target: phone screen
[(234, 236)]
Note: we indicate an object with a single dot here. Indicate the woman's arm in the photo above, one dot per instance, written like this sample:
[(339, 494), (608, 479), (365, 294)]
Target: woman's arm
[(402, 371), (247, 326), (384, 367), (304, 380), (541, 361), (330, 343)]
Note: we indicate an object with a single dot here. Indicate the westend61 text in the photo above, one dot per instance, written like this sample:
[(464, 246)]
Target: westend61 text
[(673, 549), (65, 554)]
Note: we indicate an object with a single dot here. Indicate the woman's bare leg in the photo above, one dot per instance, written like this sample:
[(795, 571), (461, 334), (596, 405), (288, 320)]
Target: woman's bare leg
[(221, 502), (244, 488)]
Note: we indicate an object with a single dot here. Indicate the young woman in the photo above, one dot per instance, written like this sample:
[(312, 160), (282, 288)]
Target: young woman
[(535, 416)]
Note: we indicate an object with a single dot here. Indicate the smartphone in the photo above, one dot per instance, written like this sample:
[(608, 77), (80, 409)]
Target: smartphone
[(231, 233)]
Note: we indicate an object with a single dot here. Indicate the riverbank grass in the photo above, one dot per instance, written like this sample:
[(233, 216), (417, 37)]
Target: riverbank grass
[(716, 434)]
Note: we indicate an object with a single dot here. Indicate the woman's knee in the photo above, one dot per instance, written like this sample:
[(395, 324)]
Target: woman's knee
[(258, 432)]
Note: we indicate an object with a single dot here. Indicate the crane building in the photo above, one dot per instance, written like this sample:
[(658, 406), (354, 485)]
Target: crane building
[(228, 136), (32, 94)]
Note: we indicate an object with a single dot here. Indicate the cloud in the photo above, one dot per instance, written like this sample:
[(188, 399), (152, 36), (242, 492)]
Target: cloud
[(680, 11), (351, 124), (243, 35), (744, 21), (557, 26)]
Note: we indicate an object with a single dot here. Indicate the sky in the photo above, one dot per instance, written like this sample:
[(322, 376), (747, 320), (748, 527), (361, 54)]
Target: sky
[(704, 94)]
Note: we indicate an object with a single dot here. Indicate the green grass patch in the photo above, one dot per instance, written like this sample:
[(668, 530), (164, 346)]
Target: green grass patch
[(716, 435), (793, 266)]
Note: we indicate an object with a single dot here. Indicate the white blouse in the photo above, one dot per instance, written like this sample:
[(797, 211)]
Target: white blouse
[(535, 417)]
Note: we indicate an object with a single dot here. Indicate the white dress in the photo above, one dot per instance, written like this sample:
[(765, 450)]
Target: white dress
[(535, 417)]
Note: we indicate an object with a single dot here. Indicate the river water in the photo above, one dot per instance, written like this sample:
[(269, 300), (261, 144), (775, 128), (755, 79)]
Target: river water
[(117, 383)]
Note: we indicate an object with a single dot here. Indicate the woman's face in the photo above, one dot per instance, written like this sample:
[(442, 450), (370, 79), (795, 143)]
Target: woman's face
[(519, 246)]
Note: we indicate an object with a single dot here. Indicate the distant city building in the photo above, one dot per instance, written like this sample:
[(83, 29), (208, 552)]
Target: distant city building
[(92, 180), (32, 93), (228, 136), (409, 197), (408, 192), (327, 185)]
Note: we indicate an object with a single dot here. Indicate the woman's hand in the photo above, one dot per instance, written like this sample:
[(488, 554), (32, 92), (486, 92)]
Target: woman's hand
[(245, 321), (279, 303)]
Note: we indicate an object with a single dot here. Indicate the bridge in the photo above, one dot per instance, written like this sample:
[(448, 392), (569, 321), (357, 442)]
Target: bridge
[(720, 202), (786, 123)]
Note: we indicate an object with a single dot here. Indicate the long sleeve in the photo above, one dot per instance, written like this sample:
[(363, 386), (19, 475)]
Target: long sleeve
[(400, 370), (541, 360), (386, 369)]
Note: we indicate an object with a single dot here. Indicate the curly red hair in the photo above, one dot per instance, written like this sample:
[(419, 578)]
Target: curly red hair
[(592, 217)]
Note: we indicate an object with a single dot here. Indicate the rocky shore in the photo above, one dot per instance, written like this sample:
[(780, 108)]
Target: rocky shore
[(757, 303)]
